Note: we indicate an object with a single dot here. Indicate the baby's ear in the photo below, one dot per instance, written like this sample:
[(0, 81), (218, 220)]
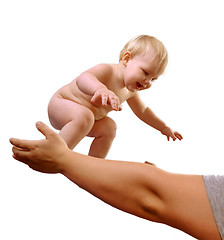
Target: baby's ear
[(126, 57)]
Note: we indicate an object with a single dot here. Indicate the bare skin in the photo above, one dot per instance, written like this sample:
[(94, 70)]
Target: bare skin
[(80, 108), (141, 189)]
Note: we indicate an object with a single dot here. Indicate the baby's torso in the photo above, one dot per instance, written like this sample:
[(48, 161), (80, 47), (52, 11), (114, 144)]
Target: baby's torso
[(72, 93)]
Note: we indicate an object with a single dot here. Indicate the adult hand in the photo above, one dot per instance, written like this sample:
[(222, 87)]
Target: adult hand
[(41, 155)]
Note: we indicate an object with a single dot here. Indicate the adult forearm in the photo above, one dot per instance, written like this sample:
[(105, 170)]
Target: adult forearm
[(127, 186)]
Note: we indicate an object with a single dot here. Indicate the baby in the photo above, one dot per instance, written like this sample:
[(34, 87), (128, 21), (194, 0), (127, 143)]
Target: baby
[(80, 108)]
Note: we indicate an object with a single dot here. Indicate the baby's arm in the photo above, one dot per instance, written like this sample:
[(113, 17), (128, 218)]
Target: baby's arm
[(90, 83), (149, 117)]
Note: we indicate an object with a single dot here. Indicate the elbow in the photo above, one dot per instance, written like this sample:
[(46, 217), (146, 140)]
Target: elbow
[(152, 202), (153, 208)]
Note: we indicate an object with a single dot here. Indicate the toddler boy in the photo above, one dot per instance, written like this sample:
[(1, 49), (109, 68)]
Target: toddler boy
[(80, 108)]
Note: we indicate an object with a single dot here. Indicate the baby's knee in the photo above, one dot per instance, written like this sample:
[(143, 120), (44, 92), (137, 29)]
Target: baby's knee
[(85, 119), (111, 128)]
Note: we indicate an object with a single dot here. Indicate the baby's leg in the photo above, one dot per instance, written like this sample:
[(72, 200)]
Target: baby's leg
[(104, 132), (74, 120)]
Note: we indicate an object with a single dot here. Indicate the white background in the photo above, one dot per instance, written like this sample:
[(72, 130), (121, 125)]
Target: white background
[(45, 44)]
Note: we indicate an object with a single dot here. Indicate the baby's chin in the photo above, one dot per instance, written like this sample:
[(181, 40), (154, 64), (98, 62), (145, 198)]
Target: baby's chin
[(132, 89)]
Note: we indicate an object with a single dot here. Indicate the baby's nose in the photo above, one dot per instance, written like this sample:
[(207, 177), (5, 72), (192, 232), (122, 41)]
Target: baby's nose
[(148, 82), (147, 79)]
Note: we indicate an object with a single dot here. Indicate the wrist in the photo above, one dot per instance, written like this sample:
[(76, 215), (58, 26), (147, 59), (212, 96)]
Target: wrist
[(101, 88), (63, 160), (163, 129)]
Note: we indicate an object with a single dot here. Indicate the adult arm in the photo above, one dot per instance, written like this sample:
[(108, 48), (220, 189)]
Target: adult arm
[(141, 189)]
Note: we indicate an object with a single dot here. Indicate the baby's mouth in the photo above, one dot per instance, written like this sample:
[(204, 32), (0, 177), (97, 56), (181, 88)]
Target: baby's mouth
[(138, 85)]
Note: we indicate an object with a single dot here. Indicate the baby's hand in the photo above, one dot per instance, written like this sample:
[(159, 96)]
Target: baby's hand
[(106, 97), (170, 133)]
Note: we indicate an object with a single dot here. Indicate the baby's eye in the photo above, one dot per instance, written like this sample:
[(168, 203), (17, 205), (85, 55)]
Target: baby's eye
[(146, 73), (153, 79)]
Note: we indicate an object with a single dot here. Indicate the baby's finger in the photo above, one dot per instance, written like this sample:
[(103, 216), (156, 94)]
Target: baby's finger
[(115, 102), (173, 137), (95, 97), (104, 100), (111, 100), (178, 135)]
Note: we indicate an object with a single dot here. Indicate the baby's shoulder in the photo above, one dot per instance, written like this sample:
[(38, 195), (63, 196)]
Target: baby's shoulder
[(105, 67), (102, 70)]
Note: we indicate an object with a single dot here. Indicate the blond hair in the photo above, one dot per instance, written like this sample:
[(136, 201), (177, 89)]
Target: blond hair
[(143, 44)]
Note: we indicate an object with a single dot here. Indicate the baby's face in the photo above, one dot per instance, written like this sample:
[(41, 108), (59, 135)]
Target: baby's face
[(140, 72)]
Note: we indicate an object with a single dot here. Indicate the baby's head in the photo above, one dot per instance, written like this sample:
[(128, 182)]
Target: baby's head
[(142, 44)]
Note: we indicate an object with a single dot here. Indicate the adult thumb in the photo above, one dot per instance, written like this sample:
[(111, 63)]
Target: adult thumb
[(44, 129)]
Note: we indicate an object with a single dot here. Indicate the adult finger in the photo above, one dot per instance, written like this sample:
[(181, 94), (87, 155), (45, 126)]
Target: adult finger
[(20, 154), (23, 144), (45, 130), (147, 162), (21, 157)]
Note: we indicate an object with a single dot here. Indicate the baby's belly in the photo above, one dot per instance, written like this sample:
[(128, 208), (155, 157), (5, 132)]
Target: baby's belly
[(98, 111)]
